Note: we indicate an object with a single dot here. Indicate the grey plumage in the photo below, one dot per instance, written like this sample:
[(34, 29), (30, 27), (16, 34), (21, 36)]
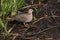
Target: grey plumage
[(24, 17)]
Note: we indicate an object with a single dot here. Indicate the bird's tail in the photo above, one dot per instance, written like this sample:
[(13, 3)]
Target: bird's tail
[(10, 19)]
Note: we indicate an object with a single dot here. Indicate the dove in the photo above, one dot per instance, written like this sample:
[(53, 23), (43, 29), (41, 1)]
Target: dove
[(24, 17)]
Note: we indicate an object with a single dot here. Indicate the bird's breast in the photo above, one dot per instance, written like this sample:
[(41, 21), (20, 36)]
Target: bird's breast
[(29, 18)]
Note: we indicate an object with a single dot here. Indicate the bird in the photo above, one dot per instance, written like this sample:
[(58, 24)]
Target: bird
[(24, 17)]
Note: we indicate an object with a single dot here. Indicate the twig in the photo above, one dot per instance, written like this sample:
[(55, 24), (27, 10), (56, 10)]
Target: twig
[(30, 6), (39, 32), (13, 34), (42, 31), (43, 18), (11, 28), (15, 37), (38, 20)]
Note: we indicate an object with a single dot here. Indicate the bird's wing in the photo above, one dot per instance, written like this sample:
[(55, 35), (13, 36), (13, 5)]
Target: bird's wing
[(21, 18)]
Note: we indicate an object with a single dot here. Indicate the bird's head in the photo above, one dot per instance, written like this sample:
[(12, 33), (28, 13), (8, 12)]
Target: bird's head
[(30, 10)]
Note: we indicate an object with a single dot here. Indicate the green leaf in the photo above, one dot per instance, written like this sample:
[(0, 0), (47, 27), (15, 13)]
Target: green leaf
[(2, 24)]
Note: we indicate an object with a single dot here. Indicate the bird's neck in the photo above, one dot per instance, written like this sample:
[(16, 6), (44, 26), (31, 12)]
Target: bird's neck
[(30, 13)]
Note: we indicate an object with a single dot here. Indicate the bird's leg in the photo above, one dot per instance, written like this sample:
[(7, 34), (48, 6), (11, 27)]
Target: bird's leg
[(26, 25)]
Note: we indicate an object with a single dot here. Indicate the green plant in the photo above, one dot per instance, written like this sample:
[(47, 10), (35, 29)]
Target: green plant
[(3, 25), (9, 6)]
